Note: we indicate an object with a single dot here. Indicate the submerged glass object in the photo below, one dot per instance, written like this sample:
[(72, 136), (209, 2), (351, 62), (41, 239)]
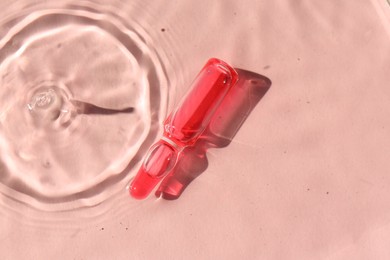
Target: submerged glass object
[(185, 124)]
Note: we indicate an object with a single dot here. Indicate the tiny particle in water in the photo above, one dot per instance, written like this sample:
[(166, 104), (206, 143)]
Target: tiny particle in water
[(298, 59), (266, 67), (46, 164), (163, 29), (102, 228), (327, 192), (59, 45), (127, 228), (308, 189)]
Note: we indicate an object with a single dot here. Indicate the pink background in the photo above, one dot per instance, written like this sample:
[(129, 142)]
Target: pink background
[(307, 175)]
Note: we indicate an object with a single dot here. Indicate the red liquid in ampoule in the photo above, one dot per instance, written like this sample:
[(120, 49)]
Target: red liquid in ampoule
[(193, 114), (185, 124)]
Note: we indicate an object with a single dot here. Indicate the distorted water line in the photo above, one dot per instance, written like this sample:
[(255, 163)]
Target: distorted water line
[(63, 197)]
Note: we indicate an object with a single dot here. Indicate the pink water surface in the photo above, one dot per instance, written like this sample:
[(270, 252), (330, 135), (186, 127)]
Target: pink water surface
[(86, 85)]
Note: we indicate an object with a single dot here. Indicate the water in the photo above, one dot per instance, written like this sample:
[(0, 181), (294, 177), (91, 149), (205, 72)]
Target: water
[(81, 93), (311, 157)]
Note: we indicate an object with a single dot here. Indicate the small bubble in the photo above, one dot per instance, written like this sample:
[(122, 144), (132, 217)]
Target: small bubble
[(42, 99)]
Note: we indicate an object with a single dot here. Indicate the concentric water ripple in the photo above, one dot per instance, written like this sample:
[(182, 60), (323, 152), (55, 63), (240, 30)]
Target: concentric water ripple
[(80, 93)]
